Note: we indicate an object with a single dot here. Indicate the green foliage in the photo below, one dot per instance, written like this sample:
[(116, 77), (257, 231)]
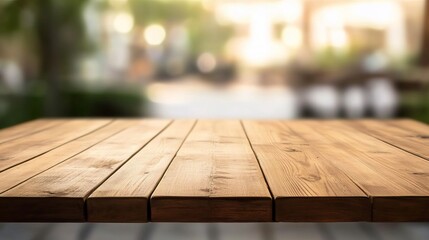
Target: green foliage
[(81, 102), (15, 13), (415, 105), (55, 26), (205, 34), (75, 102), (10, 12), (332, 59), (154, 10)]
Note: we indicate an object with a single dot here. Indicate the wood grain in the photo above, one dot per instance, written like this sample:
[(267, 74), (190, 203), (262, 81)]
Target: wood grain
[(59, 193), (214, 177), (411, 125), (133, 170), (27, 128), (18, 174), (395, 180), (23, 149), (408, 135), (124, 197), (301, 179)]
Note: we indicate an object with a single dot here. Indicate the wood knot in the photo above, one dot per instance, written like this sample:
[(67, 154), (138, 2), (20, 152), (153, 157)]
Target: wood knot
[(421, 174), (104, 165), (291, 150), (221, 177), (423, 136), (310, 178), (52, 193), (379, 152)]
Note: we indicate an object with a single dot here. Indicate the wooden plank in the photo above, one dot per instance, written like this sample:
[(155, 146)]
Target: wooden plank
[(411, 125), (18, 174), (20, 150), (27, 128), (395, 180), (214, 177), (124, 197), (59, 193), (306, 187), (407, 135)]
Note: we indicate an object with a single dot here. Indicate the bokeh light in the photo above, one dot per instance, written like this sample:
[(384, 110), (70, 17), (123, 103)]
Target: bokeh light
[(292, 36), (154, 34), (206, 62), (123, 22)]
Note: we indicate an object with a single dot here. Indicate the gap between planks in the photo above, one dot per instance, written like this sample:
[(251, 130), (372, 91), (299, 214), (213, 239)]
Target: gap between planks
[(21, 150), (306, 186), (395, 179), (273, 206), (12, 177), (124, 196), (214, 177), (59, 193), (28, 128), (389, 207), (409, 135)]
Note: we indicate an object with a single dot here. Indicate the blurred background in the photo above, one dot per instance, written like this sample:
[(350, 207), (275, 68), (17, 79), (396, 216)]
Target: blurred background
[(280, 59), (214, 59)]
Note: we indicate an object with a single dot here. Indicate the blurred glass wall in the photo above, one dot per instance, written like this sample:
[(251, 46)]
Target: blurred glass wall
[(213, 59)]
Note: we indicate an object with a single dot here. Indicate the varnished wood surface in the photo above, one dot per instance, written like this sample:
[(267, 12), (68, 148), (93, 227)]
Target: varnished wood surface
[(302, 180), (214, 177), (125, 195), (405, 134), (140, 170), (22, 149), (59, 193), (386, 173)]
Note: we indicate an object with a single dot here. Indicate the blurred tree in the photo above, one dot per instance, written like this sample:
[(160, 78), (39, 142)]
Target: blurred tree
[(204, 32), (424, 56), (56, 32)]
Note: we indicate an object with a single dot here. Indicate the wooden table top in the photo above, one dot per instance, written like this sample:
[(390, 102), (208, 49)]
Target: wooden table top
[(140, 170)]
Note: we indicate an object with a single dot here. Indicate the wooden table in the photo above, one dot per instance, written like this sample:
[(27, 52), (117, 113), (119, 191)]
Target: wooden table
[(140, 170)]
